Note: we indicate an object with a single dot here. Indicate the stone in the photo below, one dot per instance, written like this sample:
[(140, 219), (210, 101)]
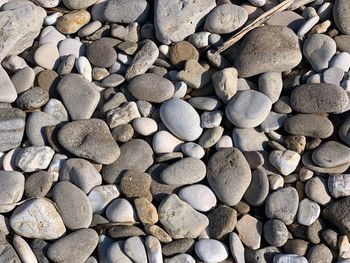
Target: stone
[(333, 75), (341, 16), (23, 249), (342, 42), (211, 250), (308, 25), (165, 142), (344, 131), (262, 255), (229, 175), (8, 92), (8, 253), (89, 139), (199, 39), (186, 171), (100, 196), (339, 185), (222, 221), (199, 196), (12, 124), (79, 96), (71, 22), (37, 218), (33, 98), (21, 25), (73, 205), (135, 249), (136, 184), (66, 48), (39, 248), (125, 12), (308, 212), (295, 143), (225, 83), (259, 55), (46, 56), (282, 204), (34, 158), (38, 184), (320, 254), (310, 125), (116, 254), (273, 121), (120, 210), (143, 60), (337, 213), (179, 219), (56, 109), (243, 110), (158, 232), (282, 258), (181, 119), (249, 139), (12, 188), (47, 80), (331, 154), (296, 246), (194, 75), (258, 189), (181, 258), (250, 230), (236, 248), (145, 126), (135, 155), (192, 149), (178, 246), (83, 67), (177, 20), (78, 4), (182, 51), (287, 18), (154, 249), (146, 211), (341, 61), (77, 246), (205, 103), (157, 90), (284, 161), (123, 115), (101, 53), (318, 50), (316, 190), (271, 84), (275, 232)]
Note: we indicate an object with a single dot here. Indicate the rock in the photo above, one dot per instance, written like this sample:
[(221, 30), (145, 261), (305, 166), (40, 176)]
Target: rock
[(8, 92), (78, 95), (331, 154), (37, 218), (143, 60), (154, 249), (136, 184), (275, 232), (273, 121), (182, 258), (125, 12), (229, 175), (271, 84), (71, 22), (341, 61), (262, 255), (243, 112), (78, 4), (189, 170), (157, 90), (135, 155), (222, 221), (337, 213), (11, 188), (50, 35), (316, 190), (146, 211), (225, 83), (179, 219), (116, 254), (199, 196), (205, 103), (211, 250), (73, 205), (333, 75), (120, 210), (310, 125), (176, 21), (84, 68), (69, 49), (34, 158), (165, 142), (38, 184), (123, 114), (21, 25), (12, 123), (100, 196), (23, 249), (192, 149), (296, 246), (320, 254), (200, 39), (250, 230), (344, 133), (308, 212), (8, 253), (282, 204), (339, 185), (284, 161), (178, 246), (287, 18), (182, 51), (39, 248), (23, 79), (282, 258), (308, 25), (135, 249), (259, 55), (258, 189), (46, 56), (77, 246), (342, 42), (237, 248), (341, 16), (181, 119), (194, 75), (318, 50), (248, 140), (89, 139), (145, 126), (81, 173), (101, 53), (158, 232)]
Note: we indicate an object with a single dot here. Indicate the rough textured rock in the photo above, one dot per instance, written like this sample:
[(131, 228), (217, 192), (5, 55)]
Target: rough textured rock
[(338, 214), (341, 12), (12, 123)]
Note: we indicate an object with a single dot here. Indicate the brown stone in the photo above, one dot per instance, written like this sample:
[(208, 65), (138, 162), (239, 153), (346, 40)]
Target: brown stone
[(182, 51)]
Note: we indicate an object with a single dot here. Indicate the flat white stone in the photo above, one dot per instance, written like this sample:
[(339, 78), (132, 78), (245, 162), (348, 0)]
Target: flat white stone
[(84, 68), (165, 142), (211, 250), (145, 126), (237, 248), (24, 251), (154, 250), (284, 161), (199, 196), (51, 35), (308, 212), (121, 211), (34, 158), (100, 196)]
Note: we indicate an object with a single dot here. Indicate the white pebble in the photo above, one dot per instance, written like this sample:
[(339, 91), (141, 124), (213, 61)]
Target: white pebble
[(237, 248), (9, 160), (341, 61), (52, 19), (125, 59), (55, 165), (165, 142), (307, 25), (164, 50), (145, 126), (154, 250), (100, 196), (308, 212), (199, 196), (84, 68), (24, 251), (284, 161), (224, 142), (180, 89), (276, 181), (55, 108), (71, 46), (192, 149), (211, 250), (121, 211), (34, 158)]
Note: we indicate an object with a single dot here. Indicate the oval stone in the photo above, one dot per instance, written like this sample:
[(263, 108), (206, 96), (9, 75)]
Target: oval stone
[(181, 119), (331, 154), (199, 196), (229, 175), (319, 97), (211, 250), (341, 14), (151, 87)]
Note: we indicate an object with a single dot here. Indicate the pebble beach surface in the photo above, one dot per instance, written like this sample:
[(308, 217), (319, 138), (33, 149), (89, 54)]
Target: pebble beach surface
[(126, 137)]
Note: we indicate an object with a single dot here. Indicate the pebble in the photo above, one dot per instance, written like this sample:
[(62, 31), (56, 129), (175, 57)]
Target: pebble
[(342, 43), (180, 89), (308, 25), (136, 184), (100, 196), (83, 67), (338, 185), (8, 92), (316, 190), (320, 254), (333, 76), (23, 249), (33, 98), (34, 158), (73, 205), (337, 214), (331, 154), (154, 250), (78, 4), (222, 221), (112, 81), (192, 149), (116, 254), (135, 249), (76, 246), (211, 250), (271, 84), (275, 232), (199, 196), (126, 12), (287, 18), (89, 28), (308, 212), (46, 56), (158, 232), (284, 258), (38, 184), (250, 231), (341, 16), (249, 139), (135, 155), (165, 142), (236, 248), (89, 139), (205, 103), (282, 204), (341, 61), (101, 53), (120, 210), (194, 75), (12, 188), (225, 19), (12, 124), (229, 175), (68, 47), (273, 121), (179, 219), (259, 55), (146, 211), (200, 39), (182, 258), (344, 131), (284, 161), (182, 51), (23, 79), (157, 90), (52, 19), (323, 97), (258, 189), (210, 137), (71, 22), (56, 109), (37, 218), (123, 115), (225, 83), (145, 126)]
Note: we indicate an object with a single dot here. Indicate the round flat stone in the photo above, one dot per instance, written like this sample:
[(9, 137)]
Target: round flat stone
[(33, 98), (38, 184), (146, 211), (73, 205), (181, 119), (229, 175), (211, 250), (189, 170), (34, 158), (316, 190), (275, 232), (165, 142), (182, 51), (199, 196), (225, 19), (248, 109), (250, 231), (71, 22), (319, 97), (341, 14), (222, 221), (120, 210), (331, 154), (89, 139), (101, 53), (338, 214), (308, 212), (284, 161), (126, 11), (46, 56), (151, 87), (100, 196)]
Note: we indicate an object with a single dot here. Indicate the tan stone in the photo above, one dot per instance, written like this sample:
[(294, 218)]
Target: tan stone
[(73, 21)]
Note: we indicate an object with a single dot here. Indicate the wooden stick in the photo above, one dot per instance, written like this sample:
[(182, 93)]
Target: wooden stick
[(256, 23)]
